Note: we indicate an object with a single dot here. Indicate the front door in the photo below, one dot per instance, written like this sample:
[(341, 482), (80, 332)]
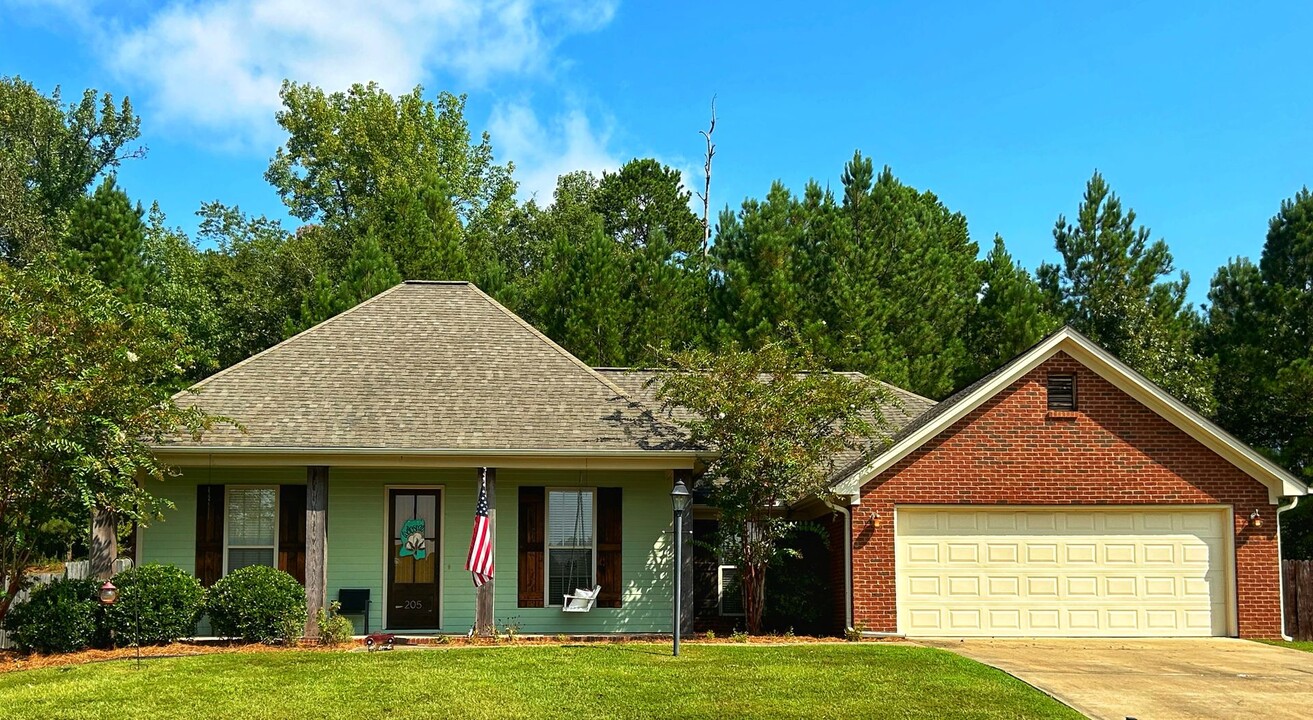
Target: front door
[(412, 602)]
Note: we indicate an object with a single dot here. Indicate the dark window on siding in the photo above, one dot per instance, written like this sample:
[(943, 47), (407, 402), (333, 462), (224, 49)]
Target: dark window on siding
[(1062, 392)]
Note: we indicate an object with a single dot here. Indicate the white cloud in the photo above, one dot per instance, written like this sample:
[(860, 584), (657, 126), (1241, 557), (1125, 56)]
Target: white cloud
[(542, 151), (217, 66)]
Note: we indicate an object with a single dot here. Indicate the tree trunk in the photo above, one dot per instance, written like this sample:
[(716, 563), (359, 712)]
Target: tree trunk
[(754, 592), (104, 544), (11, 590)]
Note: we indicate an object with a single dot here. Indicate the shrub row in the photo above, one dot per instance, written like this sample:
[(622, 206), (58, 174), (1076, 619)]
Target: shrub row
[(158, 604)]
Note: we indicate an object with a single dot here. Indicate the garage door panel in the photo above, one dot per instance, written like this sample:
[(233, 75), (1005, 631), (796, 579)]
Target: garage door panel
[(1061, 573)]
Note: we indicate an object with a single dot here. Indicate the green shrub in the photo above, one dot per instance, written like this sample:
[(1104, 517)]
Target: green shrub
[(257, 604), (333, 628), (157, 604), (61, 617)]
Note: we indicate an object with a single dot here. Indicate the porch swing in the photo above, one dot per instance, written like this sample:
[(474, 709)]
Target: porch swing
[(581, 600)]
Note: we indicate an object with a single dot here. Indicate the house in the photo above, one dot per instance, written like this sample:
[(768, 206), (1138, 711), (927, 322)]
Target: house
[(1063, 494), (364, 444)]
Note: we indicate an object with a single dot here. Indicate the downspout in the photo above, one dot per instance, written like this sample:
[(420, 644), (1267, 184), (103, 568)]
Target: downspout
[(847, 561), (1281, 575)]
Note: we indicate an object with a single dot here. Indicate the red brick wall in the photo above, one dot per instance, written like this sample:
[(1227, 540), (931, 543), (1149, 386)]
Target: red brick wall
[(1112, 451)]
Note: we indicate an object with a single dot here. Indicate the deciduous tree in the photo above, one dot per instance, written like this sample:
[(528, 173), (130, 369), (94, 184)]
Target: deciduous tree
[(777, 419), (85, 386)]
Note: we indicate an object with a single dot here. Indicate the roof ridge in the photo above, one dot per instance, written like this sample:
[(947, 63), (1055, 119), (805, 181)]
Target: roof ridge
[(206, 380), (550, 343)]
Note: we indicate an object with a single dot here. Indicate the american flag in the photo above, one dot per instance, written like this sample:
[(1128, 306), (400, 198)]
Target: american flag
[(479, 562)]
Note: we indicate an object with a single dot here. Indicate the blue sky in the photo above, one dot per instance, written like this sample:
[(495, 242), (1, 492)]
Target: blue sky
[(1198, 117)]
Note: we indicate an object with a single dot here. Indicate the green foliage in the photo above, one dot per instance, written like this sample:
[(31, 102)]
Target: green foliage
[(798, 589), (882, 283), (106, 238), (1260, 332), (363, 156), (1110, 287), (1010, 315), (49, 155), (257, 275), (334, 629), (738, 635), (59, 617), (904, 283), (778, 420), (157, 604), (257, 604), (86, 384)]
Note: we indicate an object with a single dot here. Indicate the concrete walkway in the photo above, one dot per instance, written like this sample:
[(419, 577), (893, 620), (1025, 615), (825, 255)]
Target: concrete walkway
[(1156, 679)]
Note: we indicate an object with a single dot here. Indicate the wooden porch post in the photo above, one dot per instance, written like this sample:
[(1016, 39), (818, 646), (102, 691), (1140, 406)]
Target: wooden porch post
[(316, 546), (104, 545), (485, 620)]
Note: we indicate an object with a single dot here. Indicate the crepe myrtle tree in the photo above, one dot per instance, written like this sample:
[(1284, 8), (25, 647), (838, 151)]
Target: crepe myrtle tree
[(86, 386), (776, 419)]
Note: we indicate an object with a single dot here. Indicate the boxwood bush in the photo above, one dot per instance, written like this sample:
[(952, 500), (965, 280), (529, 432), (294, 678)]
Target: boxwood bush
[(157, 604), (257, 604), (60, 617)]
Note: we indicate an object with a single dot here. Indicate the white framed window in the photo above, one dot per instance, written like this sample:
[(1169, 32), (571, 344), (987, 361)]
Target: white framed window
[(250, 526), (729, 591), (571, 542)]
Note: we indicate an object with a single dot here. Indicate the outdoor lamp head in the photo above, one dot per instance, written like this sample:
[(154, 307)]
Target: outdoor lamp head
[(680, 497), (108, 593)]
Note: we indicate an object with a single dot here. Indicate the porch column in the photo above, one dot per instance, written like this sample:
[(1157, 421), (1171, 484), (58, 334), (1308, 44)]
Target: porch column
[(104, 545), (686, 608), (485, 619), (316, 546)]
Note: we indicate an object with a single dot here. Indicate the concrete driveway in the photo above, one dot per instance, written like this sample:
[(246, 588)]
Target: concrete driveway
[(1156, 679)]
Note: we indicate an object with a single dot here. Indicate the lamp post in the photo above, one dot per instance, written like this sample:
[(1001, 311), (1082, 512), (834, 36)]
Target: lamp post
[(680, 499)]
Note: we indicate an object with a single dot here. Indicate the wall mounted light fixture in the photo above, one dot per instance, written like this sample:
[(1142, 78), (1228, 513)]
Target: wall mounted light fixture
[(1256, 519)]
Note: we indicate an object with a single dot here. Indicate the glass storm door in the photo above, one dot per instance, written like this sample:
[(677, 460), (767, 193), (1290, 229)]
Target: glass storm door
[(413, 567)]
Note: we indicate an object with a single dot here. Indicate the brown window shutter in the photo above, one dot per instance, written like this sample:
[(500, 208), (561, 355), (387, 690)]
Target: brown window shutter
[(532, 544), (291, 531), (209, 533), (610, 559)]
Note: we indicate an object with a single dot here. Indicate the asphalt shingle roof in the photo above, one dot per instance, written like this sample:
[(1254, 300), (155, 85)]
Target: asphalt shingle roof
[(426, 365), (903, 408)]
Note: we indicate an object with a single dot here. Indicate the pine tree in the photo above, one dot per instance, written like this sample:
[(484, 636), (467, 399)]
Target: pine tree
[(107, 237), (1111, 287), (1260, 333), (904, 283), (756, 258), (592, 296), (1009, 317), (369, 272), (419, 228)]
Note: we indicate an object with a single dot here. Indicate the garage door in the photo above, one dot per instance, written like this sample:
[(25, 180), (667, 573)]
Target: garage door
[(1111, 573)]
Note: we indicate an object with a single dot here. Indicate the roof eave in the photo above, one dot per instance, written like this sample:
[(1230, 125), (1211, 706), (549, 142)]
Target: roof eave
[(554, 458)]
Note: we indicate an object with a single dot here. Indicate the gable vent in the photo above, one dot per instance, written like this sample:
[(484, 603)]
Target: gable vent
[(1062, 392)]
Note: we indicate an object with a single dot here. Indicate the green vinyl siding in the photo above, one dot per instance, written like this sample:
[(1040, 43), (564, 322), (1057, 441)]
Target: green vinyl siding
[(172, 540), (359, 546)]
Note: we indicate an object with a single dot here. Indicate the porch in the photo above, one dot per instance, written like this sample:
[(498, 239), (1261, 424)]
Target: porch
[(402, 535)]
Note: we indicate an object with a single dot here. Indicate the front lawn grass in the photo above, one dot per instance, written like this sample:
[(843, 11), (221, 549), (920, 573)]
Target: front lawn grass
[(582, 681), (1305, 645)]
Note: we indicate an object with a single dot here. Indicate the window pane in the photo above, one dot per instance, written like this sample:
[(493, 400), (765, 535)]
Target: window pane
[(567, 571), (570, 518), (251, 516), (731, 591), (241, 557)]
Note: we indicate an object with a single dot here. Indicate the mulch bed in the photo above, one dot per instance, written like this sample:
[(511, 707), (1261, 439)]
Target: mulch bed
[(11, 660)]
